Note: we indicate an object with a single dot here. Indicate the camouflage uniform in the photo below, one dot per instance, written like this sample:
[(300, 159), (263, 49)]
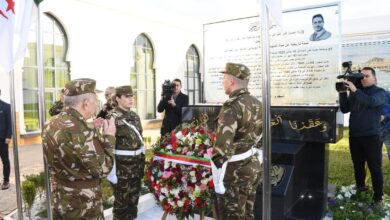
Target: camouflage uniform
[(130, 169), (56, 108), (78, 156), (239, 124)]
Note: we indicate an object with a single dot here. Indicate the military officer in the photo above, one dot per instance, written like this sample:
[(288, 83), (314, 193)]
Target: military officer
[(239, 125), (78, 156), (129, 156)]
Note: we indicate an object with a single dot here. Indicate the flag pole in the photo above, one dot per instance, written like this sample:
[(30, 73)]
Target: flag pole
[(42, 110), (266, 94), (15, 146)]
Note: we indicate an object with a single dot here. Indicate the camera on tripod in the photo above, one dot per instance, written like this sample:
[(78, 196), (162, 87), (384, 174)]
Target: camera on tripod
[(353, 77), (168, 88)]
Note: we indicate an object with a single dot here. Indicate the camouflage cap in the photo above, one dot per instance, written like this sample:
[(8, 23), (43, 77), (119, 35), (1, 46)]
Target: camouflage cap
[(79, 87), (238, 70), (124, 90)]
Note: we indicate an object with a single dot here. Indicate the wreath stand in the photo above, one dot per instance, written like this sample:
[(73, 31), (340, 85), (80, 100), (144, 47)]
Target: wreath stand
[(165, 214)]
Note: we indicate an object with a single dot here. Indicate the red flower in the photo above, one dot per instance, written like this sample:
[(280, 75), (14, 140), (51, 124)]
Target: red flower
[(212, 136), (184, 131), (211, 184), (173, 141)]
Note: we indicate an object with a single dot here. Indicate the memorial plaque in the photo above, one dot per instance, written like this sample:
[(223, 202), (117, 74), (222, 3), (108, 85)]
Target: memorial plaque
[(314, 124), (303, 71)]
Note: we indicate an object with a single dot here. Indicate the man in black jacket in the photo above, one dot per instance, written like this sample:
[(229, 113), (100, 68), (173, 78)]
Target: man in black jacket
[(365, 105), (5, 139), (172, 107)]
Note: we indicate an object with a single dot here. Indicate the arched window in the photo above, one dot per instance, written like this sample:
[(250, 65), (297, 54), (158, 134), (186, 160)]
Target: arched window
[(142, 78), (192, 75), (56, 70)]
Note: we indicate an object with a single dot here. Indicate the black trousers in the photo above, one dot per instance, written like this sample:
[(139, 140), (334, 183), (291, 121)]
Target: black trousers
[(5, 159), (368, 149)]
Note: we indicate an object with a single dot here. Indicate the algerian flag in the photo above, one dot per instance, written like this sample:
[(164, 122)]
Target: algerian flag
[(16, 16)]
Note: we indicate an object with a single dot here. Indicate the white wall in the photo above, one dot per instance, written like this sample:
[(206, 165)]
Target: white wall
[(101, 41)]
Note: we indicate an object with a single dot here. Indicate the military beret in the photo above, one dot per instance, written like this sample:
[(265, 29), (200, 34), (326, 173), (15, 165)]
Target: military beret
[(238, 70), (79, 87), (123, 90)]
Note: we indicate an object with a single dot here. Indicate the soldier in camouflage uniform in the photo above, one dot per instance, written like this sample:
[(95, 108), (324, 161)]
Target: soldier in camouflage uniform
[(239, 124), (57, 107), (129, 156), (78, 156)]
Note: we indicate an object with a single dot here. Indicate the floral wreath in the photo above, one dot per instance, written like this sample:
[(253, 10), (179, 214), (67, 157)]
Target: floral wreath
[(179, 174)]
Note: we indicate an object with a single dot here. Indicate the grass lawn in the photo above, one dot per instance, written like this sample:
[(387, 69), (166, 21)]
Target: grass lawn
[(340, 164)]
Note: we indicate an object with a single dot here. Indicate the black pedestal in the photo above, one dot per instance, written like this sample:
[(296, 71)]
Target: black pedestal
[(302, 192)]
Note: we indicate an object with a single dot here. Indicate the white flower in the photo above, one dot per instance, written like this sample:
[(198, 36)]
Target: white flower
[(168, 147), (339, 196), (192, 173), (197, 189), (206, 142), (167, 164), (179, 135), (161, 198), (171, 202), (175, 192), (348, 195), (164, 190), (180, 203)]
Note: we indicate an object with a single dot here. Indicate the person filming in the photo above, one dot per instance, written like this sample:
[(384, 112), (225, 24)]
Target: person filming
[(172, 100), (365, 105)]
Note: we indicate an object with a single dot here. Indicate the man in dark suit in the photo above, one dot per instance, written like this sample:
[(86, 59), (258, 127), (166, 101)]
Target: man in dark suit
[(172, 107), (5, 139)]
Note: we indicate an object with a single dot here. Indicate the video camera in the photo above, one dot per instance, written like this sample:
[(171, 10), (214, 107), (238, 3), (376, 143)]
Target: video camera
[(168, 88), (353, 77), (105, 114)]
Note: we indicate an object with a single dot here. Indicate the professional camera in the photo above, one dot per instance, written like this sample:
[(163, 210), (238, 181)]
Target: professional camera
[(353, 77), (104, 114), (168, 88), (109, 106)]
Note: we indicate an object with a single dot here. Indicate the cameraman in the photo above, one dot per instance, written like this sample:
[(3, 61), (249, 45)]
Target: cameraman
[(365, 106), (172, 107), (108, 106)]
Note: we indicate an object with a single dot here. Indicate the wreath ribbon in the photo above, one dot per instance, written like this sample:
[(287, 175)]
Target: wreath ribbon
[(186, 160)]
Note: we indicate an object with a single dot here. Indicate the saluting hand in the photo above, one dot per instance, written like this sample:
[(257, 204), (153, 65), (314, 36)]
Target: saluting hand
[(109, 127)]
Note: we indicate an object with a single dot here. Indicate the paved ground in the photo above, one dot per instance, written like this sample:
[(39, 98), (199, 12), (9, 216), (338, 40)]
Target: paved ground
[(31, 162)]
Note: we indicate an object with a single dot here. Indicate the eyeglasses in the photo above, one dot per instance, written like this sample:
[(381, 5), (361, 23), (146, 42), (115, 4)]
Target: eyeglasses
[(176, 85)]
